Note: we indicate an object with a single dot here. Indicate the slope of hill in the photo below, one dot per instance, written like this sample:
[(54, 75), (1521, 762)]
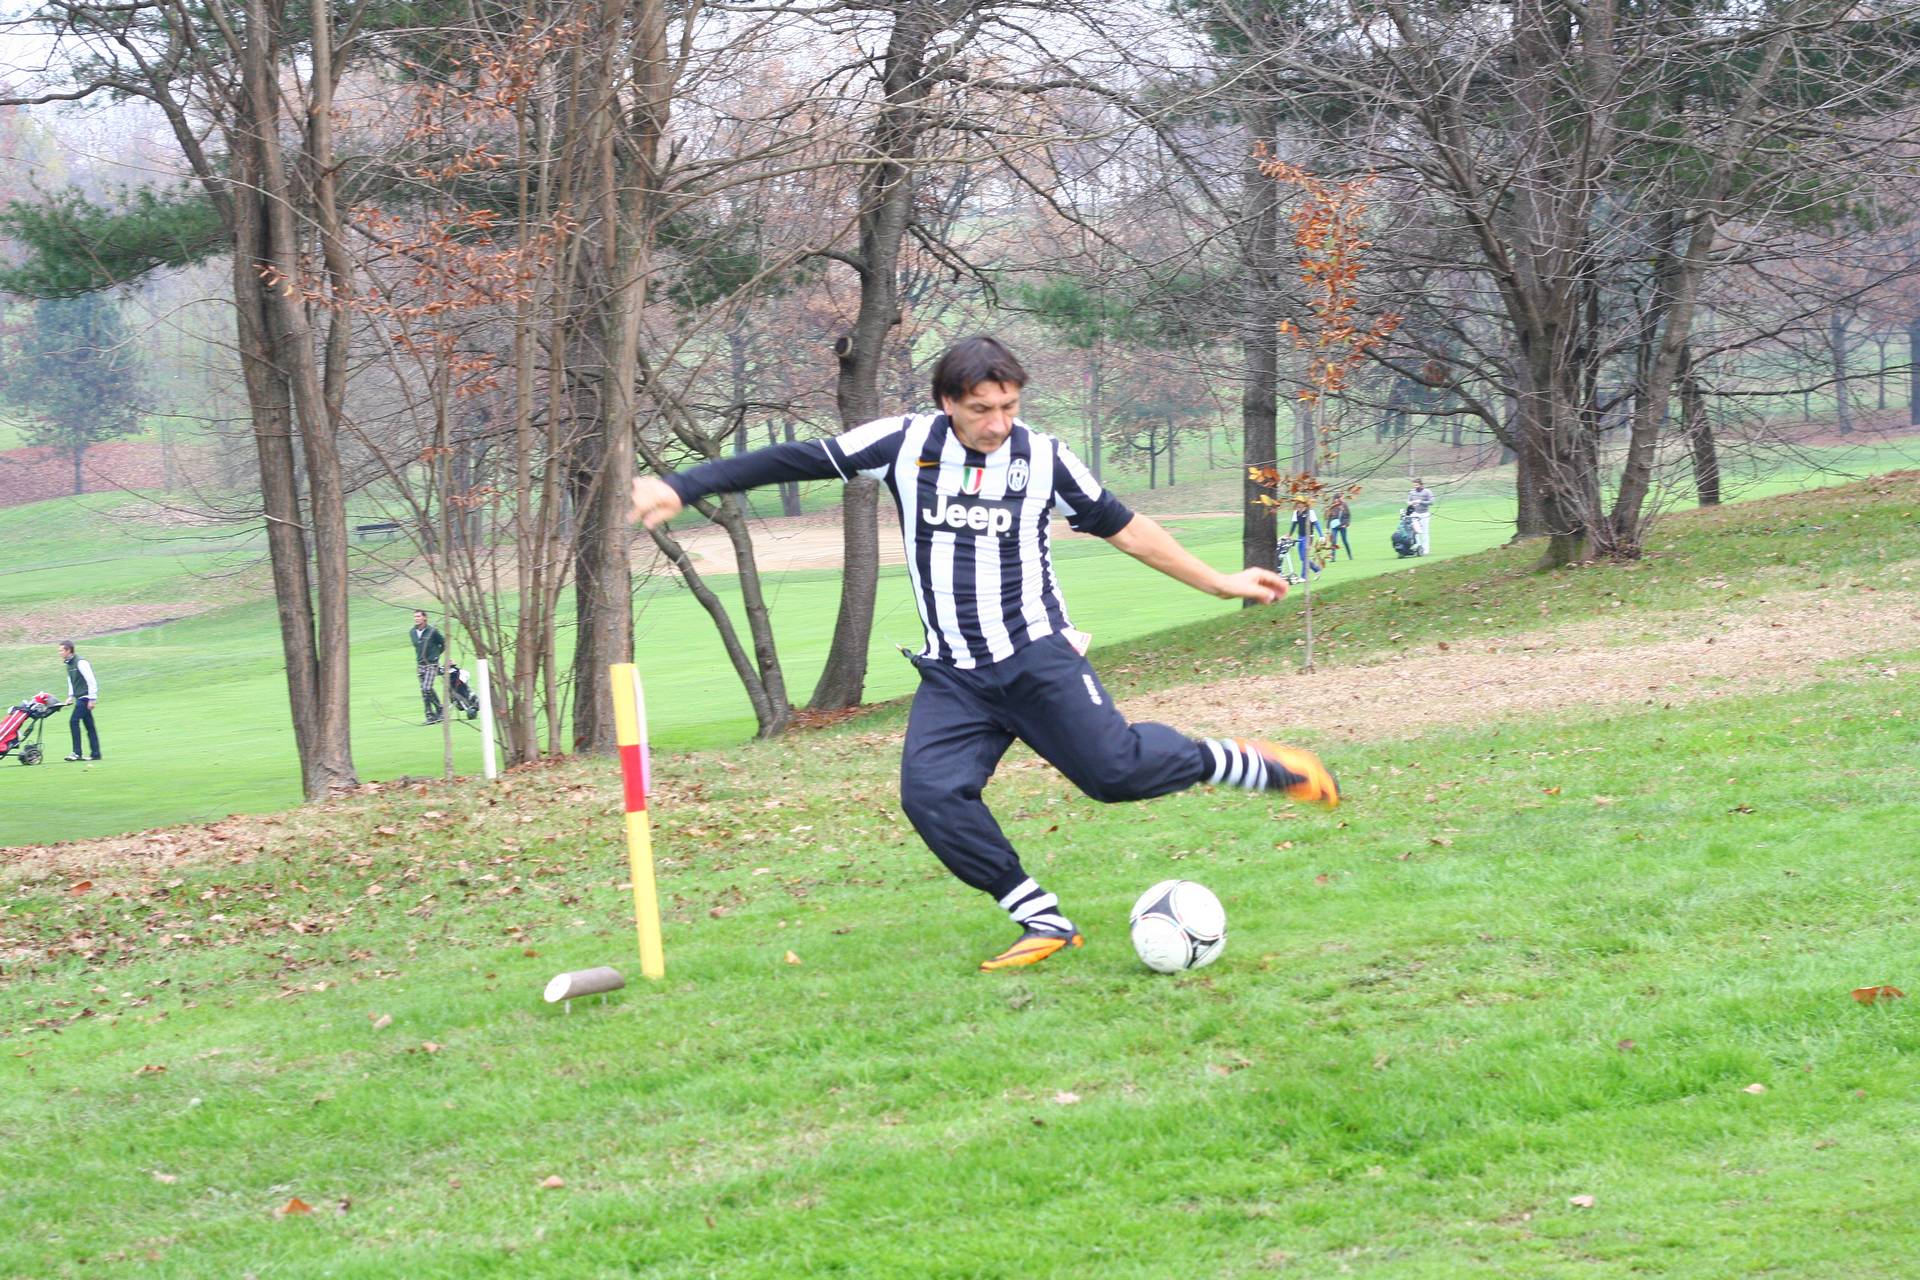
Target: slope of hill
[(1563, 989)]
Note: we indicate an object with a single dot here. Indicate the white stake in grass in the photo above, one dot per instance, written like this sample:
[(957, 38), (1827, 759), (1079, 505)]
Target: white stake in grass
[(487, 764)]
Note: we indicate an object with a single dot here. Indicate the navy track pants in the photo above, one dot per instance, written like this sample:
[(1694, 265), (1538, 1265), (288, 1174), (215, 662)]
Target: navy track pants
[(1048, 697)]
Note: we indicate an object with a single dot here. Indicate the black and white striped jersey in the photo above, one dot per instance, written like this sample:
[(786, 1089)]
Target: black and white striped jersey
[(976, 525)]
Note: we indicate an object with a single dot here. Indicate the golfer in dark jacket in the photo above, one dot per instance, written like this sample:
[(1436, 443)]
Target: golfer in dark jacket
[(83, 691), (428, 645)]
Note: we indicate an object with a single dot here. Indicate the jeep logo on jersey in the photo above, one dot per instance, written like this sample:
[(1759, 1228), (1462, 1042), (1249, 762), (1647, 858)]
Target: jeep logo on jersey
[(991, 516), (1017, 472)]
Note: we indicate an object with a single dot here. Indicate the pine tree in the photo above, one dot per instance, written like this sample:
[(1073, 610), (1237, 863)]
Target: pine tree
[(74, 373)]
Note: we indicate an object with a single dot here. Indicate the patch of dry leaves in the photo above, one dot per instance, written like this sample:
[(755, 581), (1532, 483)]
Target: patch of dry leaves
[(82, 622)]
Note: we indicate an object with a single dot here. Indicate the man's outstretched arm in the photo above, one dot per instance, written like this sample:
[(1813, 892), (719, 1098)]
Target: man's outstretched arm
[(1145, 540), (866, 450), (658, 499)]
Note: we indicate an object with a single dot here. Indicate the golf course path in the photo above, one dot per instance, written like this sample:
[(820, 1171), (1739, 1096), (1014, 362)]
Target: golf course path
[(1763, 646)]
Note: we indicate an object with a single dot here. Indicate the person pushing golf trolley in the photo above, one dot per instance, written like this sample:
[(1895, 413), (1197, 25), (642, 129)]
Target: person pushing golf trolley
[(428, 648), (976, 488)]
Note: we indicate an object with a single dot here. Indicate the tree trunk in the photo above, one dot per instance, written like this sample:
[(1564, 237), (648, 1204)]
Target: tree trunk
[(1306, 444), (270, 406), (790, 489), (1259, 348), (628, 178), (886, 211), (292, 339), (772, 709), (844, 679), (1879, 376), (1558, 461), (79, 451), (1096, 388), (737, 367), (1172, 435), (1913, 371), (1699, 430), (1837, 344)]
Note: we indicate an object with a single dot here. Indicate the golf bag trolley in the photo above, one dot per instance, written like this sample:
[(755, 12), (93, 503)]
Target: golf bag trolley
[(1405, 541), (464, 698), (20, 730), (462, 694)]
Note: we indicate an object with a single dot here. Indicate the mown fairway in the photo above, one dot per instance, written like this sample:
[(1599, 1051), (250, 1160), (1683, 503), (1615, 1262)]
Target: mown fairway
[(194, 719), (1535, 958)]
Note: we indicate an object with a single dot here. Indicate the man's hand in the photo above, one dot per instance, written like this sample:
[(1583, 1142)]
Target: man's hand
[(1262, 586), (654, 501), (1153, 546)]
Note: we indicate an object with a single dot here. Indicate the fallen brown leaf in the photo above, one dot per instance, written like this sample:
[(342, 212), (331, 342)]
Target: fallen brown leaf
[(381, 1021), (80, 887), (1581, 1202), (1867, 995), (295, 1205), (792, 958), (553, 1182), (1755, 1088)]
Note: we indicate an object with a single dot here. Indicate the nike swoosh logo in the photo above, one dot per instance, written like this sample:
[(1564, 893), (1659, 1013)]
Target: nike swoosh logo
[(923, 462)]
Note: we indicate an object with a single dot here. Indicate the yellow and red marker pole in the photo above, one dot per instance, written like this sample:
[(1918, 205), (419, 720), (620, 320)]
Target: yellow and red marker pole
[(630, 731)]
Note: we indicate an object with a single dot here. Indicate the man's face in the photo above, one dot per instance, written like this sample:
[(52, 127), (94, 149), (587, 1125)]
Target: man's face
[(65, 653), (983, 417)]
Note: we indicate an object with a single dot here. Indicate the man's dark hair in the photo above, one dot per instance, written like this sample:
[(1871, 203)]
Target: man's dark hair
[(972, 361), (68, 646)]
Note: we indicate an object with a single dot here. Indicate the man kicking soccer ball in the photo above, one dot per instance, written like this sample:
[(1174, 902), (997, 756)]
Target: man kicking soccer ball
[(976, 489)]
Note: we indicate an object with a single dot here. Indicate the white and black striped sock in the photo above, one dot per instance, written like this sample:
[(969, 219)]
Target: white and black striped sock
[(1239, 765), (1034, 909)]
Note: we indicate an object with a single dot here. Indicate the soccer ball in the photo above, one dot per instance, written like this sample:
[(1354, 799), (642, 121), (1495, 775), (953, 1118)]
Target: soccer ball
[(1178, 925)]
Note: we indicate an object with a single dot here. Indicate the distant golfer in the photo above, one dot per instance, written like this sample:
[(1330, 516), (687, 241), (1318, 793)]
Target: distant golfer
[(1301, 535), (428, 645), (976, 489), (83, 691), (1339, 521), (1420, 509)]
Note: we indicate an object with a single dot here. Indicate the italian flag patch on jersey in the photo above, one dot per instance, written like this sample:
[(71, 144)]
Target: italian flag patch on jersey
[(972, 479)]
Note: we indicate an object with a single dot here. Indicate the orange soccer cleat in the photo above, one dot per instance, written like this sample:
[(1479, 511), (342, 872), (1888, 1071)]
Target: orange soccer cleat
[(1296, 773), (1032, 948)]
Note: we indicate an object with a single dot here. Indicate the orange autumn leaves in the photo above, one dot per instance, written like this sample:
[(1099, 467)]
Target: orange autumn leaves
[(1329, 246)]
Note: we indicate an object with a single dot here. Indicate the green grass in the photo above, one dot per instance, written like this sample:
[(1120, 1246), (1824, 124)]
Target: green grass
[(1522, 964)]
